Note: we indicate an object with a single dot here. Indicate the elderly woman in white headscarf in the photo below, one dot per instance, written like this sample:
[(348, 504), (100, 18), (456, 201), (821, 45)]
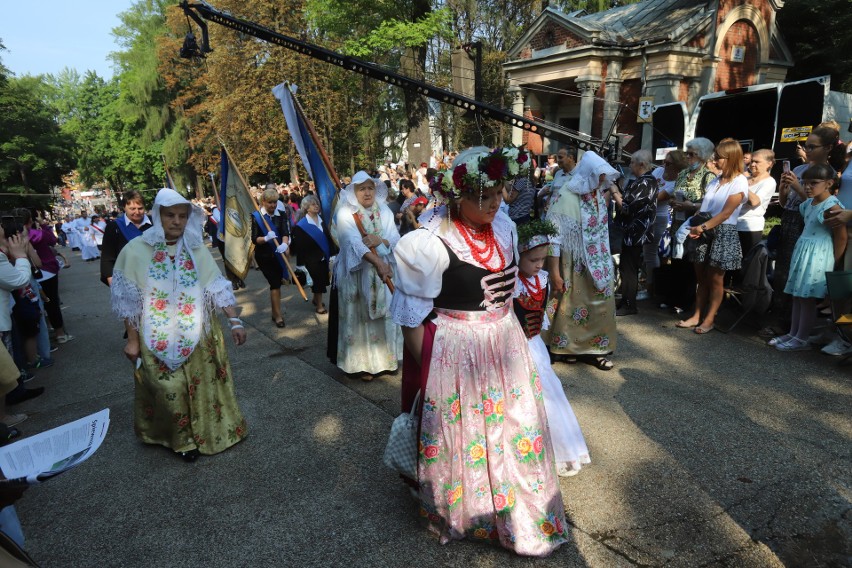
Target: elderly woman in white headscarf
[(580, 266), (367, 339), (166, 287)]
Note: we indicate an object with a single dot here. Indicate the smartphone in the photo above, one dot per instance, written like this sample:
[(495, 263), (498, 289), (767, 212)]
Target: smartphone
[(786, 165)]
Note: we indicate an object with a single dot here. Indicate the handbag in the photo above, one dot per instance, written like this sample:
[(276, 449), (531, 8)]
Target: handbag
[(699, 219), (401, 450)]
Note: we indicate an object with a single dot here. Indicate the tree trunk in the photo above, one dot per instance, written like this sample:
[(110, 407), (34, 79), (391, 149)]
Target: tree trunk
[(419, 144)]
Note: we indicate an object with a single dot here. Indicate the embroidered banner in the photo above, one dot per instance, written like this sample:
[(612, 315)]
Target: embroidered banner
[(235, 222)]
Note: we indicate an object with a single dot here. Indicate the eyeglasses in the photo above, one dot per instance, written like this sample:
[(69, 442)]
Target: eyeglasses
[(811, 147), (691, 154), (717, 158), (814, 182)]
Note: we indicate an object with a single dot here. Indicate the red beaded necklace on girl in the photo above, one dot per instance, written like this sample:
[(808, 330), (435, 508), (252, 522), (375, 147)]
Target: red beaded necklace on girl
[(485, 252), (534, 291)]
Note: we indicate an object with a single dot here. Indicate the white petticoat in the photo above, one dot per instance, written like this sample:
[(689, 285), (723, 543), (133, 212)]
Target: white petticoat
[(569, 446)]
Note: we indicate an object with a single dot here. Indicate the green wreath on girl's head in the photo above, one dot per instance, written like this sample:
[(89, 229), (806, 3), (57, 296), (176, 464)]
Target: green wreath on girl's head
[(534, 228)]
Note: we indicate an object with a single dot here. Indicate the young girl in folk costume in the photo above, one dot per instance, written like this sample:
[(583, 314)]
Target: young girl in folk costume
[(166, 287), (485, 469), (569, 446), (816, 252)]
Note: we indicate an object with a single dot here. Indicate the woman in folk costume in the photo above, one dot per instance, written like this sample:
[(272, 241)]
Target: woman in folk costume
[(166, 287), (569, 446), (580, 265), (313, 249), (368, 341), (485, 468)]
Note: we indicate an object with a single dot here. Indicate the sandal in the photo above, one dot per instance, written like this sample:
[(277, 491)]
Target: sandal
[(280, 323), (683, 325), (703, 330), (599, 362), (321, 309)]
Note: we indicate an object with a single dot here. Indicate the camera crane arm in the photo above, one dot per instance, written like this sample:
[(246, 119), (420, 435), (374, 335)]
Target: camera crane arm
[(201, 12)]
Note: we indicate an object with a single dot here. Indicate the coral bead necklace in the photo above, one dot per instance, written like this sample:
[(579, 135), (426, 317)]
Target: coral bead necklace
[(484, 252), (534, 291)]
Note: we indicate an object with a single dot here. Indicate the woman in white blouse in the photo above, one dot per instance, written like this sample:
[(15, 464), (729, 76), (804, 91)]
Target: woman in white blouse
[(722, 202)]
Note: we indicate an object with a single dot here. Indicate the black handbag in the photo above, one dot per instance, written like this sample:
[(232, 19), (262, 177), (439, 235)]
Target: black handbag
[(699, 219)]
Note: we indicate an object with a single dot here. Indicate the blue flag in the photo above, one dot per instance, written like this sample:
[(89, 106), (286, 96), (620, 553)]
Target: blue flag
[(308, 149)]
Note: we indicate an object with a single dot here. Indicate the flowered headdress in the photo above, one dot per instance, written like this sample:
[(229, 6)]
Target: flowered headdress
[(477, 169), (535, 234)]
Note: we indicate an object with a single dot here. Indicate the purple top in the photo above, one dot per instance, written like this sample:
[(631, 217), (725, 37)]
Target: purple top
[(42, 239)]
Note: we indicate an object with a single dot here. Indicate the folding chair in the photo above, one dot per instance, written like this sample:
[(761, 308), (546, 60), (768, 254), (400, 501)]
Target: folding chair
[(839, 285)]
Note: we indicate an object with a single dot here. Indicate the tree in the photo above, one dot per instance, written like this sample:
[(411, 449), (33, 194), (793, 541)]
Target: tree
[(817, 32), (34, 153)]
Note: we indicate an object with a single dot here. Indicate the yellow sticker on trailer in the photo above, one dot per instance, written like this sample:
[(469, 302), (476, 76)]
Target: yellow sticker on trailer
[(795, 133)]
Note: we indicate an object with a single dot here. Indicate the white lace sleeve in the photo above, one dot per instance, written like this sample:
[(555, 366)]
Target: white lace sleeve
[(421, 260), (220, 293), (409, 311), (126, 299)]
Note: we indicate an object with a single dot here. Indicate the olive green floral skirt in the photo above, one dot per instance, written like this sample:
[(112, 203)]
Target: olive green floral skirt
[(193, 406), (583, 321)]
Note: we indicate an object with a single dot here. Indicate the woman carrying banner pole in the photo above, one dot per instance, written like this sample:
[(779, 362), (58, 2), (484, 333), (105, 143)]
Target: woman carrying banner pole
[(268, 226)]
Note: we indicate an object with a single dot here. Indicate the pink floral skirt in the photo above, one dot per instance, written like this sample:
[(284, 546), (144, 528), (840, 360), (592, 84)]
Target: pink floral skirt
[(486, 466)]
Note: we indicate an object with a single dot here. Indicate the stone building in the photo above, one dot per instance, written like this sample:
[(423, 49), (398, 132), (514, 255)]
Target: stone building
[(575, 69)]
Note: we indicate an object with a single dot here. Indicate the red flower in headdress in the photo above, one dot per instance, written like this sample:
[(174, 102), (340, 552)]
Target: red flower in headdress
[(458, 175), (496, 168)]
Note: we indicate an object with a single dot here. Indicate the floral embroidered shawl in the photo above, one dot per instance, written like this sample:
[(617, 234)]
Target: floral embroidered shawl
[(586, 237), (169, 292)]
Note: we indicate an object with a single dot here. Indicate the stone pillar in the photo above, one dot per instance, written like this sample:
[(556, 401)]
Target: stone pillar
[(587, 87), (517, 95), (612, 97), (664, 89)]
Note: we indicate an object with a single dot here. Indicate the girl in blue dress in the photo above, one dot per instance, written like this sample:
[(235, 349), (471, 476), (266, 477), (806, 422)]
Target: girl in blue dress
[(816, 252)]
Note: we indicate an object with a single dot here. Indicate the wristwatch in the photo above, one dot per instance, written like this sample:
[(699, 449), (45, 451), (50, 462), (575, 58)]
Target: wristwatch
[(703, 227)]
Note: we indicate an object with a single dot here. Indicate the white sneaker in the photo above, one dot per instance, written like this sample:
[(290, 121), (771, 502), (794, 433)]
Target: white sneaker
[(837, 347), (642, 295), (60, 339)]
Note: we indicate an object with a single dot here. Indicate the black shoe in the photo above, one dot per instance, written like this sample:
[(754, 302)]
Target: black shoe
[(189, 456), (20, 395), (242, 284), (235, 285), (626, 310)]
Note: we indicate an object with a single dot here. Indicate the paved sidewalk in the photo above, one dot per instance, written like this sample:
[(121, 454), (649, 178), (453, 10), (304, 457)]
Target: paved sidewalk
[(706, 451)]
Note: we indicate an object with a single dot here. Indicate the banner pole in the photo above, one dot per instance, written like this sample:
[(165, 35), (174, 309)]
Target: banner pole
[(268, 228)]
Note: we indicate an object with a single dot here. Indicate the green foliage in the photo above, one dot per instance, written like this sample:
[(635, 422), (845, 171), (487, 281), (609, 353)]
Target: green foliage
[(392, 35), (817, 32), (34, 153)]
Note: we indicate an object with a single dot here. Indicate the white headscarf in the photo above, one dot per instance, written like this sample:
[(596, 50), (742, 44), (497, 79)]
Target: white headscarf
[(192, 236), (586, 176), (348, 193)]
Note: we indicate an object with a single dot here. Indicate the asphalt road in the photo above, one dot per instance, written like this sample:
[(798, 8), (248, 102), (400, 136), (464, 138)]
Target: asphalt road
[(706, 451)]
